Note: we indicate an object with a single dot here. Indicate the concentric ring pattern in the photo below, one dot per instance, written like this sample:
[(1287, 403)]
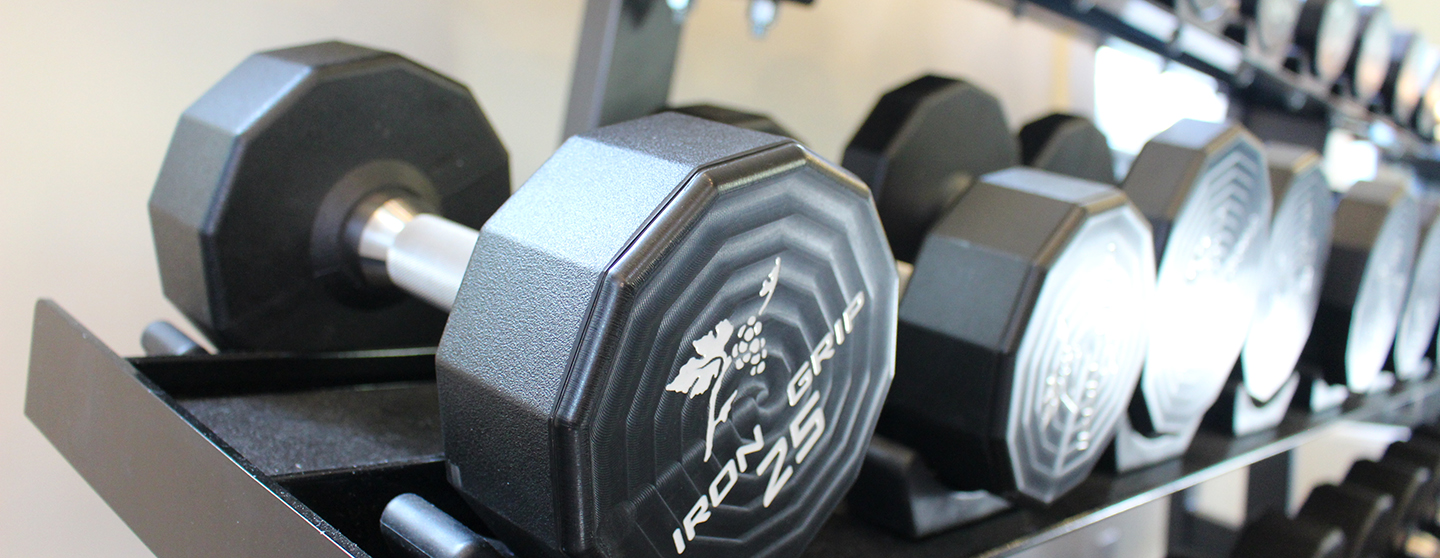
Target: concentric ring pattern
[(1422, 310), (1378, 303), (758, 350), (1209, 279), (1078, 360), (1294, 268)]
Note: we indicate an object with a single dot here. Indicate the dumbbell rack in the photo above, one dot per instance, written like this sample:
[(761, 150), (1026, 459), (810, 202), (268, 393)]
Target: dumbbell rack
[(628, 49), (296, 455)]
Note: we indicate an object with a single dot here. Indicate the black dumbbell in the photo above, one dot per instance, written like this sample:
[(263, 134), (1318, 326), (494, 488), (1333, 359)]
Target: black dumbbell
[(1266, 28), (1371, 257), (1022, 324), (1405, 82), (1276, 536), (1211, 15), (1356, 510), (1370, 57), (1069, 145), (1416, 335), (1294, 267), (1407, 483), (734, 117), (1324, 38), (1205, 189), (675, 339)]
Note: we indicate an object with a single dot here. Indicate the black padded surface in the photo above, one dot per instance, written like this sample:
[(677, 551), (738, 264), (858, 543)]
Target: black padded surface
[(310, 431)]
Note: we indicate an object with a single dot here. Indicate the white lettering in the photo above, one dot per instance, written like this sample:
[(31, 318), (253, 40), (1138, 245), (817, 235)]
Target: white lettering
[(807, 427), (776, 457), (750, 448)]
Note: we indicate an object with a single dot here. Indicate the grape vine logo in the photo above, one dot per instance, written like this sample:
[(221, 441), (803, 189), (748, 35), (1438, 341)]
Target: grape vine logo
[(727, 350)]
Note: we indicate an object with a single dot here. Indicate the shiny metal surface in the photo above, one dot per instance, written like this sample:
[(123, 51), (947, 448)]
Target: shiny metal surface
[(421, 253), (1381, 296), (1372, 53)]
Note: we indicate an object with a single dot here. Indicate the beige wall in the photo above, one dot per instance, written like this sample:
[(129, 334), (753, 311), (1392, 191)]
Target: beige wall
[(90, 90)]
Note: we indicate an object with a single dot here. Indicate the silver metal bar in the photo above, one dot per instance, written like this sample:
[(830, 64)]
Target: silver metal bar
[(423, 254), (624, 64)]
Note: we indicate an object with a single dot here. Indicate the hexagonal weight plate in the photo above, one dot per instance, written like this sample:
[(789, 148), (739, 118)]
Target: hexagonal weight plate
[(1417, 331), (1355, 510), (1294, 269), (1276, 536), (674, 339), (1022, 333), (263, 169), (734, 117), (919, 148), (1068, 145), (1377, 228), (1205, 189)]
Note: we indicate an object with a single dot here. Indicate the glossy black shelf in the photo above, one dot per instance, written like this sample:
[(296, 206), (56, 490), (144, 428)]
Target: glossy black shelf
[(284, 455), (1251, 80)]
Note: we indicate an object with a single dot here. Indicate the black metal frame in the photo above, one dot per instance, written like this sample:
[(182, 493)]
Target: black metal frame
[(168, 443)]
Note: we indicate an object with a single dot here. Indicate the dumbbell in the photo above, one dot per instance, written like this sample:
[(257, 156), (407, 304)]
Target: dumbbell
[(1324, 38), (1416, 334), (1371, 257), (734, 117), (1211, 15), (1022, 324), (1369, 62), (1275, 535), (1358, 511), (1069, 145), (1266, 28), (1205, 189), (1405, 82), (1294, 263), (1423, 450), (674, 339), (1406, 483)]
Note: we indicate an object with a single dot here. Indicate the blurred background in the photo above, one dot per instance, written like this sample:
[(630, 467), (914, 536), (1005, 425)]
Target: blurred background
[(90, 92)]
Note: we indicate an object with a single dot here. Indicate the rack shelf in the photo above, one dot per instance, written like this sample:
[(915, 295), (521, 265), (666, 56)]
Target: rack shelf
[(163, 440)]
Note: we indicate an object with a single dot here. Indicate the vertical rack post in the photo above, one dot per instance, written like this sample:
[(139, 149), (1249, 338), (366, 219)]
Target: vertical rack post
[(624, 64)]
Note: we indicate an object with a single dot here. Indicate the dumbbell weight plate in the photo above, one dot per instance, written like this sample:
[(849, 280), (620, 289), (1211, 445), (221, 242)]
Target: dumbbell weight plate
[(1326, 35), (253, 273), (1205, 189), (1276, 536), (1294, 266), (1406, 483), (918, 141), (690, 325), (1370, 59), (1068, 145), (1417, 330), (1366, 277), (676, 340), (1355, 510), (1022, 324)]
